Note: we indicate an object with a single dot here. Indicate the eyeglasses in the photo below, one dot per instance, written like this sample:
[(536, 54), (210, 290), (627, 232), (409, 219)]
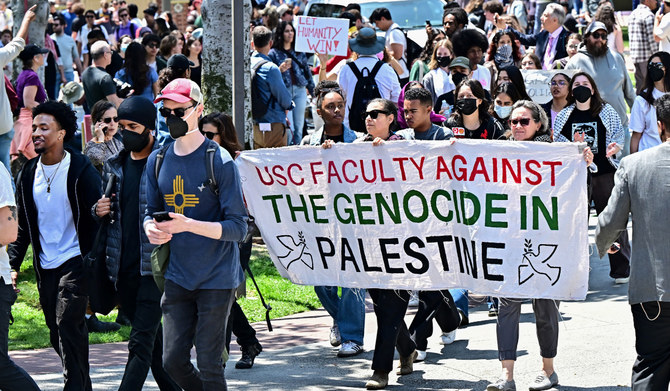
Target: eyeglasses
[(209, 135), (374, 113), (598, 35), (152, 45), (561, 83), (178, 112), (521, 121), (108, 120)]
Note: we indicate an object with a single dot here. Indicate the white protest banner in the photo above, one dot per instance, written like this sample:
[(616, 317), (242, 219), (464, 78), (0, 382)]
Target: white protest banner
[(538, 83), (500, 218), (321, 35)]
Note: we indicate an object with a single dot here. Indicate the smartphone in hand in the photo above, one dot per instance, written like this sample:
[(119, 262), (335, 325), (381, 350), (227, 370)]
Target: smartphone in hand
[(161, 216)]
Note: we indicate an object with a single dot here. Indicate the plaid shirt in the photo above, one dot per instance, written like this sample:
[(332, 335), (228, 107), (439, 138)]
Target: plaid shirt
[(641, 34)]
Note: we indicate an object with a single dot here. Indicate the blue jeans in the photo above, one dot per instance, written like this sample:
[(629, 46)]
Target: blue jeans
[(5, 143), (348, 311), (297, 115), (461, 299), (199, 317)]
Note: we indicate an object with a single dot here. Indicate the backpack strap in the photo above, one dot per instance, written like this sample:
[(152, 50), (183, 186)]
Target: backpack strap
[(159, 160), (212, 150), (355, 70), (376, 69)]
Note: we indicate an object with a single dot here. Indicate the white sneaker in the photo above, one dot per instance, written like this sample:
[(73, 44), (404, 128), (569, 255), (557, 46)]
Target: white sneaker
[(448, 338), (622, 280), (420, 355), (413, 299), (335, 338), (349, 349)]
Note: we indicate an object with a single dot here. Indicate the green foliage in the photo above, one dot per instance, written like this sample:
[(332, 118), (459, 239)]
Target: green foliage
[(29, 330)]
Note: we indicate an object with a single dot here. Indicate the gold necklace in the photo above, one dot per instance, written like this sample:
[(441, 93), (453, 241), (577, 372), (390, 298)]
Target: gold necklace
[(46, 178)]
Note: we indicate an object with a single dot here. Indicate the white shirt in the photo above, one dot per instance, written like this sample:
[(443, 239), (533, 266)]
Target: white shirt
[(643, 120), (6, 200), (395, 35), (58, 236), (442, 82), (482, 75), (387, 81), (663, 31)]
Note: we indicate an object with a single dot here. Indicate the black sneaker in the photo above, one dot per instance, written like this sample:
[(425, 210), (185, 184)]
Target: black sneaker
[(122, 319), (249, 353), (94, 325)]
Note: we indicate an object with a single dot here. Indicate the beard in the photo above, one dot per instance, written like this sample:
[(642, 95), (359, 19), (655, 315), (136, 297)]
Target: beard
[(596, 49)]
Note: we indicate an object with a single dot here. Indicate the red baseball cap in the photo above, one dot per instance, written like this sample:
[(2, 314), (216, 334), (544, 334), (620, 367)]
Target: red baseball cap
[(180, 91)]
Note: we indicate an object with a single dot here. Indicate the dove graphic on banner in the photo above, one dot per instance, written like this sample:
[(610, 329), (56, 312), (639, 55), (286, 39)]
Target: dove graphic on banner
[(296, 251), (538, 263)]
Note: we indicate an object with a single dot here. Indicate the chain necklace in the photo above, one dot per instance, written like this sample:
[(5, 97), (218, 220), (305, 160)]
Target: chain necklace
[(48, 179)]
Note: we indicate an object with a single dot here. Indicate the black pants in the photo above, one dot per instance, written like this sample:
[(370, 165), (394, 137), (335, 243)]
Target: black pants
[(12, 376), (64, 297), (651, 371), (390, 308), (601, 189), (238, 324), (438, 305), (140, 299)]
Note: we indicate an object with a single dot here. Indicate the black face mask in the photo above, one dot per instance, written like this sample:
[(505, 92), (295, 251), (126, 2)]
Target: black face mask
[(177, 126), (443, 61), (458, 77), (655, 71), (466, 106), (135, 142), (581, 93)]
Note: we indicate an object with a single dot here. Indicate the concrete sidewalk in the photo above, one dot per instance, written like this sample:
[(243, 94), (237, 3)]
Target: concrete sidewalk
[(596, 351)]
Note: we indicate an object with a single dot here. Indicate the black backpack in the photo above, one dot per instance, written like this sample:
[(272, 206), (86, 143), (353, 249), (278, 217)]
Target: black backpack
[(412, 50), (212, 150), (366, 90), (259, 107)]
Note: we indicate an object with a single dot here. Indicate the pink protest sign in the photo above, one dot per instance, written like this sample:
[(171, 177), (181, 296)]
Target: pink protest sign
[(321, 35)]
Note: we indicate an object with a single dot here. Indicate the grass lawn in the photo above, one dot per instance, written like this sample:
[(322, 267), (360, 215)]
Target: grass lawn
[(30, 332)]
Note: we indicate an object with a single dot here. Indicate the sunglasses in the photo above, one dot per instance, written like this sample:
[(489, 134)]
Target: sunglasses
[(598, 35), (178, 112), (152, 45), (209, 135), (108, 120), (90, 16), (522, 121), (374, 113)]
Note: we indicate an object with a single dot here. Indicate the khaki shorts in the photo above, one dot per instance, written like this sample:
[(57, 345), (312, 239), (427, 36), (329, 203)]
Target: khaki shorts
[(277, 137)]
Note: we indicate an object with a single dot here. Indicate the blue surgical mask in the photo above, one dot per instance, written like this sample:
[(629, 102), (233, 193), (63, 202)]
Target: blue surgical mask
[(503, 111)]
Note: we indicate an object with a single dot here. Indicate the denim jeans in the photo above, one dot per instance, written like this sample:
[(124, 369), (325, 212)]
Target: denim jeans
[(5, 143), (348, 311), (297, 115), (12, 377), (140, 299), (461, 299), (199, 317)]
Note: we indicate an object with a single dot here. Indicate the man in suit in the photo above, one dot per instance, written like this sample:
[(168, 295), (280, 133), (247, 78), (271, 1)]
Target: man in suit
[(641, 190), (550, 42)]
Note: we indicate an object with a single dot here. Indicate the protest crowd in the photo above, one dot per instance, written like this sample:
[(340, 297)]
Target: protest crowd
[(146, 198)]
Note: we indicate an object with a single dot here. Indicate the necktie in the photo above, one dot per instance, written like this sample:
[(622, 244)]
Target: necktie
[(548, 57)]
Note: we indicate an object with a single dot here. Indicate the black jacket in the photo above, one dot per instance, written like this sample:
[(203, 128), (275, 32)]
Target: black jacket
[(83, 190), (114, 233), (540, 41)]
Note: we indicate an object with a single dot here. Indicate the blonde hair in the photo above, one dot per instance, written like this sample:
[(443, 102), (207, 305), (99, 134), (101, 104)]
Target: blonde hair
[(445, 43)]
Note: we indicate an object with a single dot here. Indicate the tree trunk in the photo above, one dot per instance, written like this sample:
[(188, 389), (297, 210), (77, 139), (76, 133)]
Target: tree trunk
[(37, 28), (219, 59)]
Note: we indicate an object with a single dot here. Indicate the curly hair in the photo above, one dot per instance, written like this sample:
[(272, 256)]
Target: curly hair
[(279, 35), (493, 47), (168, 74), (466, 39), (62, 113)]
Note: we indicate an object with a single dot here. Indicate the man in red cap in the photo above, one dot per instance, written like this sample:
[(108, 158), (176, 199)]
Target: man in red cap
[(203, 228)]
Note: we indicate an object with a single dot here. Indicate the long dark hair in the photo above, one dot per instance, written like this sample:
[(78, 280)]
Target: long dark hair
[(226, 130), (493, 47), (478, 92), (136, 66), (597, 102), (516, 78), (649, 84), (279, 35)]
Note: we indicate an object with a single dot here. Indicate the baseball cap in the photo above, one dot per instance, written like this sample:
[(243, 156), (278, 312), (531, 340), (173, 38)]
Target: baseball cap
[(32, 50), (595, 26), (179, 61), (460, 62), (180, 91)]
